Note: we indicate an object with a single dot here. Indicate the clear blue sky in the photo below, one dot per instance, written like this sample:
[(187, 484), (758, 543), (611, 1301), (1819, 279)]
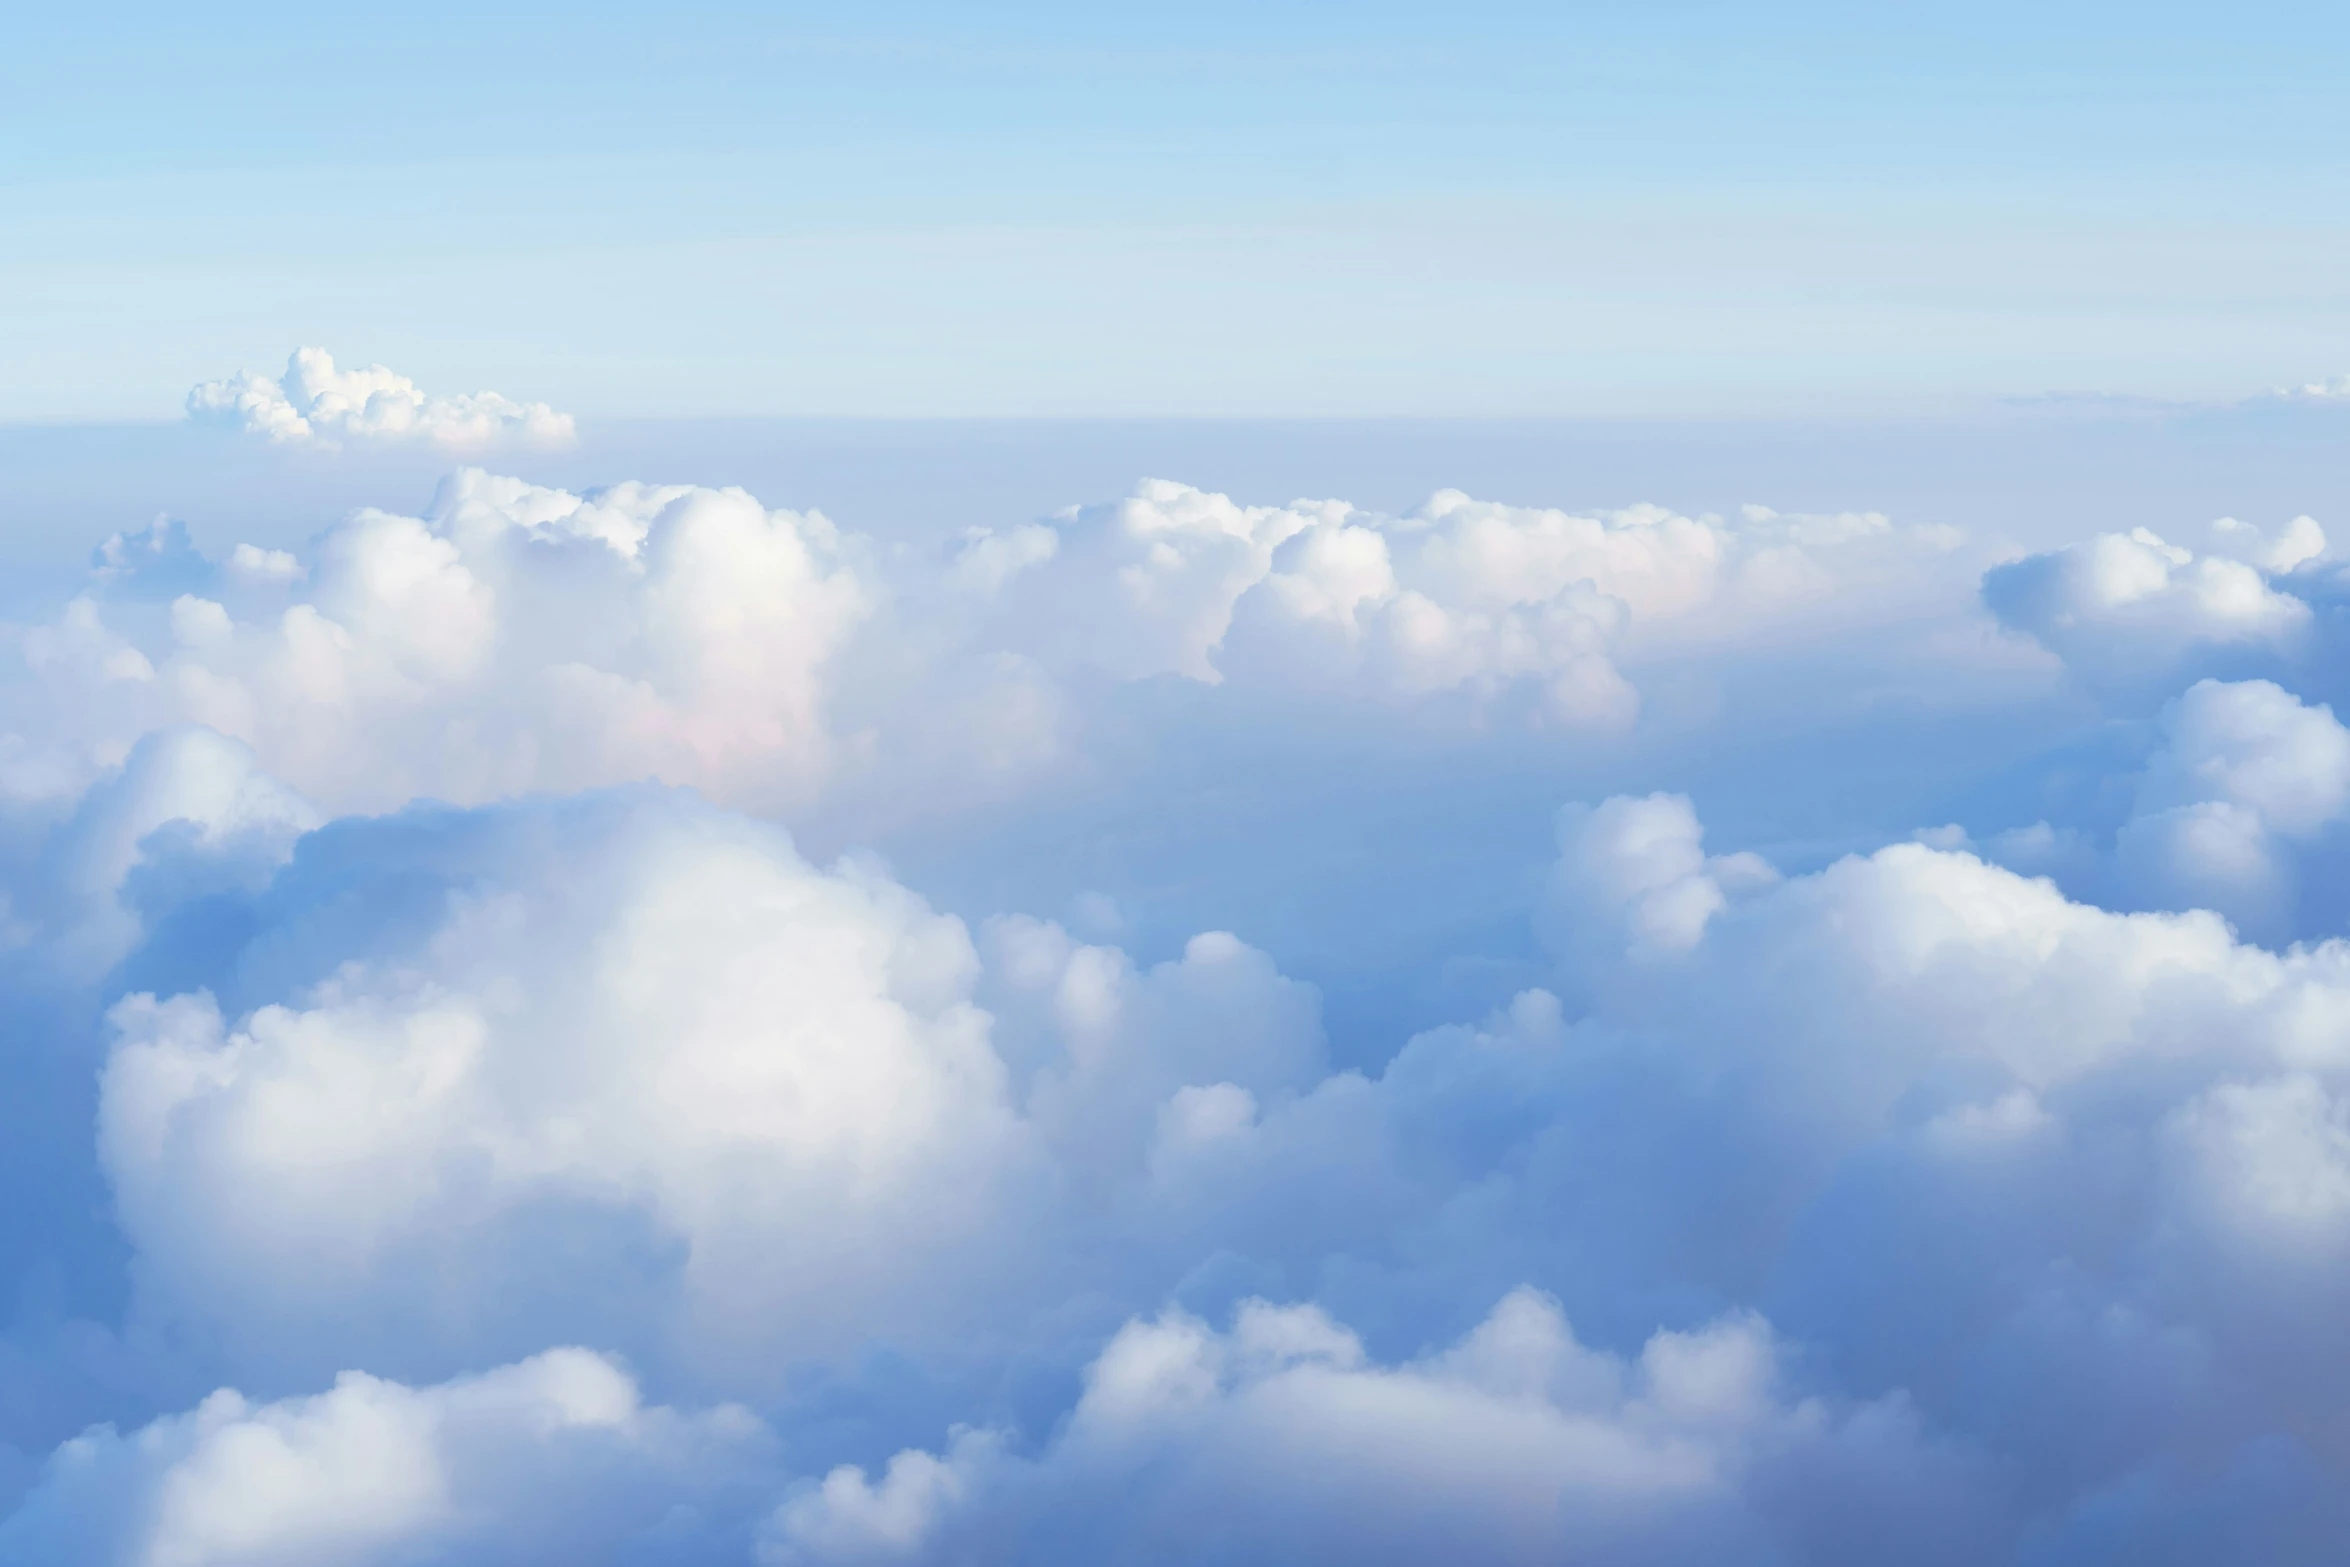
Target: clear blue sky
[(1471, 209)]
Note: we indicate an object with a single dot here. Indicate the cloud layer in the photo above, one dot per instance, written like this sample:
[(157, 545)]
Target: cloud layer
[(647, 1026)]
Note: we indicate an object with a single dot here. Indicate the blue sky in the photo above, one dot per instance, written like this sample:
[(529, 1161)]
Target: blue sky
[(1298, 209)]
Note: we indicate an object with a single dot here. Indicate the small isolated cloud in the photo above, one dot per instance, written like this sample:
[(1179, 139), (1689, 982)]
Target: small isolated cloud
[(2332, 389), (314, 403)]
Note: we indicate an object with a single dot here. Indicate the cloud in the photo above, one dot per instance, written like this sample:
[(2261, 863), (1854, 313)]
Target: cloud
[(2247, 772), (2132, 610), (2331, 389), (1456, 595), (555, 1454), (314, 403), (186, 803), (1939, 1121), (634, 1039), (441, 1002), (1632, 875), (516, 638), (626, 1069), (1281, 1438), (2235, 809)]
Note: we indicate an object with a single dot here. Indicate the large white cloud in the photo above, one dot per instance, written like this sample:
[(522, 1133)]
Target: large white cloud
[(2130, 611), (516, 638), (314, 403), (1282, 1440), (639, 1066), (1178, 581), (630, 1064), (1456, 595), (2248, 773), (1947, 1124), (1902, 1203), (2236, 809), (1933, 1115)]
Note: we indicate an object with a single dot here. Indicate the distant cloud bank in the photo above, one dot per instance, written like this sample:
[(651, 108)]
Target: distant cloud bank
[(314, 403)]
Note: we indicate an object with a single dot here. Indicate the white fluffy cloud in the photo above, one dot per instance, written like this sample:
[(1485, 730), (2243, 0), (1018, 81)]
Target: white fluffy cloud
[(2131, 610), (1633, 880), (2247, 772), (552, 1458), (632, 1065), (1458, 595), (635, 1049), (517, 638), (635, 1039), (1904, 1206), (1944, 1122), (1282, 1439), (314, 403), (196, 787), (2235, 810)]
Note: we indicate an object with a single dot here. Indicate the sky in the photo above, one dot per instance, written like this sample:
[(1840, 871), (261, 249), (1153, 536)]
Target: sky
[(1253, 785), (1477, 210)]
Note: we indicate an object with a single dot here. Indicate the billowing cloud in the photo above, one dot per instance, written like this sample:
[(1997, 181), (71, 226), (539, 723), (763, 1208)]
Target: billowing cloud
[(314, 403), (1633, 880), (1282, 1439), (2246, 773), (632, 1038), (455, 994), (1459, 594), (519, 637), (2237, 809), (767, 1120), (556, 1455), (516, 638), (2130, 610)]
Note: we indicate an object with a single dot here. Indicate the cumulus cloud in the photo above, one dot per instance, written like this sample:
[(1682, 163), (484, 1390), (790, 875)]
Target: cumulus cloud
[(630, 1064), (186, 802), (636, 1039), (314, 403), (1457, 595), (553, 1456), (767, 1119), (2247, 773), (517, 637), (1632, 878), (1281, 1438), (1936, 1116), (2132, 610), (2235, 808), (570, 1164)]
